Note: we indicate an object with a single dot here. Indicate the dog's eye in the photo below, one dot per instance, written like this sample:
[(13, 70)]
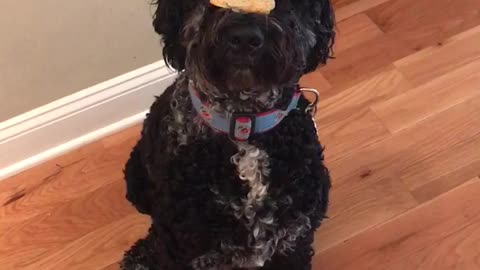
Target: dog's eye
[(174, 104)]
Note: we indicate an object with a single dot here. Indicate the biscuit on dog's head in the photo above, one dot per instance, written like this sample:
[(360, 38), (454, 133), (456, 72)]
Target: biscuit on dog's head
[(247, 6)]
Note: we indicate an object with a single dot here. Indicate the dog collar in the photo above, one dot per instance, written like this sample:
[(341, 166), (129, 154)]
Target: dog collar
[(240, 126)]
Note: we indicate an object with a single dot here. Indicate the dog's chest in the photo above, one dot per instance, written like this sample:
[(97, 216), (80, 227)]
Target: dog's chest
[(231, 184)]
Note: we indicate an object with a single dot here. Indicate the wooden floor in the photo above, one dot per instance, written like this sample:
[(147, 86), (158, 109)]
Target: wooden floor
[(400, 116)]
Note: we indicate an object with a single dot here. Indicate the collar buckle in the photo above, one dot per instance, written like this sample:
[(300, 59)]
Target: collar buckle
[(242, 126), (312, 107)]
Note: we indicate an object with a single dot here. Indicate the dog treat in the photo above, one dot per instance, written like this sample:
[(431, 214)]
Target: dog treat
[(248, 6)]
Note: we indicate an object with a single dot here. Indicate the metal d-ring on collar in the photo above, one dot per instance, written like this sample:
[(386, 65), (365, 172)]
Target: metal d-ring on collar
[(312, 107)]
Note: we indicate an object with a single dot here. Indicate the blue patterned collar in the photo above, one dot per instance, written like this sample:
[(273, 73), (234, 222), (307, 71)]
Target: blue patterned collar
[(240, 126)]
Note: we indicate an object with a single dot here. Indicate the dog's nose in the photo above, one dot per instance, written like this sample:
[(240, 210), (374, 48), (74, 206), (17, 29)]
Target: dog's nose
[(244, 38)]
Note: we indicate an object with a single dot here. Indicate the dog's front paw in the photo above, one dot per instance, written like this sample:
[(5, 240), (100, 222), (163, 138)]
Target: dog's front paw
[(134, 267), (210, 261)]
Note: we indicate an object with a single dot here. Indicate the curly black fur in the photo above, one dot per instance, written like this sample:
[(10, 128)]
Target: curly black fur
[(186, 176)]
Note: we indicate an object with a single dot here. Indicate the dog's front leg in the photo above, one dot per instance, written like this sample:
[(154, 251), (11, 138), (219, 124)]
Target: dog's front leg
[(154, 252), (298, 259), (138, 184)]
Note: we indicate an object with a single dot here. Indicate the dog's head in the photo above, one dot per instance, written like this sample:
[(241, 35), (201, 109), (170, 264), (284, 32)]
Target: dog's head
[(234, 51)]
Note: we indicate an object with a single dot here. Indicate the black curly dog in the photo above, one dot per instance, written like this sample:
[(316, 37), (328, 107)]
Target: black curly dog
[(235, 199)]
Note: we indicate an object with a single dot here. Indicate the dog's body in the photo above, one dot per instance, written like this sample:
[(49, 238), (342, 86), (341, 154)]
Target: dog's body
[(217, 202)]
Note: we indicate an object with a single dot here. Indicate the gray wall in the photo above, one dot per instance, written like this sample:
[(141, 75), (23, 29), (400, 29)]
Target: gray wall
[(53, 48)]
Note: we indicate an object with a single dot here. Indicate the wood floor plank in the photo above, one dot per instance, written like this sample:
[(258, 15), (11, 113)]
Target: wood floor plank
[(446, 182), (431, 98), (65, 178), (17, 186), (354, 31), (376, 89), (409, 26), (351, 133), (365, 60), (63, 200), (447, 162), (458, 251), (58, 227), (350, 8), (113, 266), (344, 121), (445, 171), (393, 155), (441, 58), (317, 81), (475, 102), (436, 235), (421, 24), (361, 205), (100, 248), (67, 183), (345, 125), (123, 141), (341, 3)]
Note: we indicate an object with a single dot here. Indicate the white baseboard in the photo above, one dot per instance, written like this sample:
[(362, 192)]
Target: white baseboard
[(70, 122)]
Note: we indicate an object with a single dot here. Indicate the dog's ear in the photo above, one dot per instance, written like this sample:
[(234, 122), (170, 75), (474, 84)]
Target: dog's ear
[(323, 28), (168, 22)]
